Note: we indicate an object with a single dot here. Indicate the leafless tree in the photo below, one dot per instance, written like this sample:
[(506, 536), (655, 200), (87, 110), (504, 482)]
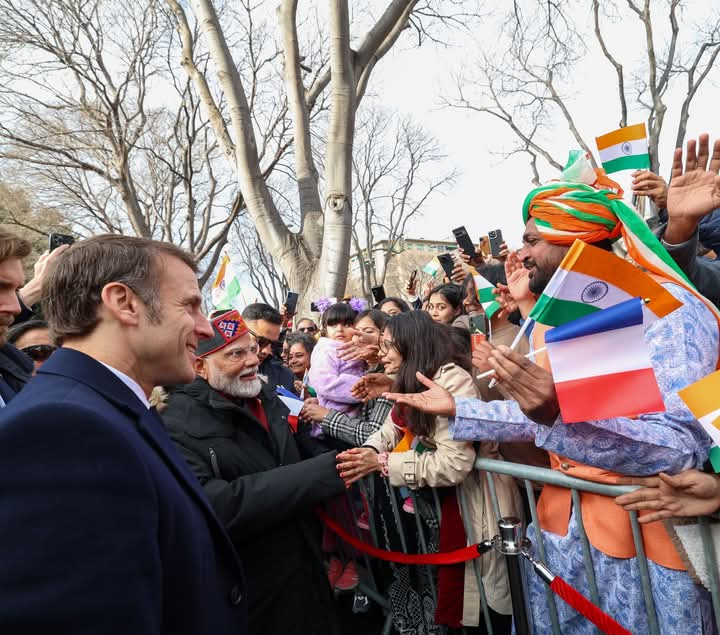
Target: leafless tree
[(397, 167), (527, 82), (315, 256)]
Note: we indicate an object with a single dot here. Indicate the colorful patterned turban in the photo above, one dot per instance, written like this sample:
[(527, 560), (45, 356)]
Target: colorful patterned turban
[(585, 204)]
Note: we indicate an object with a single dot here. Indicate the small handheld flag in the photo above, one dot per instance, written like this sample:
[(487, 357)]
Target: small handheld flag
[(432, 267), (703, 400), (590, 279), (485, 295), (601, 365), (624, 149)]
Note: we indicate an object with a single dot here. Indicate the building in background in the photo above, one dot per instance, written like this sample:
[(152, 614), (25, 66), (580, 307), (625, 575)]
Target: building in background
[(393, 270)]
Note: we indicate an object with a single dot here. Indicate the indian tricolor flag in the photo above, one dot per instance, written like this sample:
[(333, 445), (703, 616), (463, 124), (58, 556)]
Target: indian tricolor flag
[(703, 400), (485, 295), (601, 365), (624, 149), (590, 279), (226, 287)]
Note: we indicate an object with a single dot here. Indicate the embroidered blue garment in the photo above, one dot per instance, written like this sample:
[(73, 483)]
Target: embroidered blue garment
[(683, 349)]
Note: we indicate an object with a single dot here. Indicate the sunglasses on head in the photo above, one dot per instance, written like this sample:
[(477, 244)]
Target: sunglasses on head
[(38, 352)]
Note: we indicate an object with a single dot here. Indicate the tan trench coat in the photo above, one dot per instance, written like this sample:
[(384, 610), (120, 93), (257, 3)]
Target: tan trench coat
[(451, 463)]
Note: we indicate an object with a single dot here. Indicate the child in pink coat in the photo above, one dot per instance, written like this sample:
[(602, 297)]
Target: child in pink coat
[(331, 377)]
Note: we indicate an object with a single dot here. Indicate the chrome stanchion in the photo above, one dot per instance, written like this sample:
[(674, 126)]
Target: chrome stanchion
[(512, 543)]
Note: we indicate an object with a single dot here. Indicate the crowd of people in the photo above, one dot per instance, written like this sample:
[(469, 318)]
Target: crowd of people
[(155, 480)]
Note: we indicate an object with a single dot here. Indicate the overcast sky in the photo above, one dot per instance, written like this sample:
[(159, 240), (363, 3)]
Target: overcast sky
[(491, 189)]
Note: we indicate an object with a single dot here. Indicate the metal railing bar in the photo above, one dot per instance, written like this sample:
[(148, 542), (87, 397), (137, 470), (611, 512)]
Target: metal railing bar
[(587, 554), (644, 575), (423, 544), (493, 496), (549, 596), (552, 477)]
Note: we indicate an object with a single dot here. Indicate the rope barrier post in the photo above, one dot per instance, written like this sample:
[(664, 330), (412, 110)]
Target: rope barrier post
[(511, 543)]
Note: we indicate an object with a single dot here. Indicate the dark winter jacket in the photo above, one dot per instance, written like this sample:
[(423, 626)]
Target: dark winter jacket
[(264, 493), (277, 374)]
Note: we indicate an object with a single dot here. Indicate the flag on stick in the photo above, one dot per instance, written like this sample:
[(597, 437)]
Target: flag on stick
[(601, 365), (624, 149), (432, 267), (703, 400), (590, 279), (226, 287), (485, 295)]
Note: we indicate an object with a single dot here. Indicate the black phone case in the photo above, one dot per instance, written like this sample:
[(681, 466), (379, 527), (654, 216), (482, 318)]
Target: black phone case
[(462, 238)]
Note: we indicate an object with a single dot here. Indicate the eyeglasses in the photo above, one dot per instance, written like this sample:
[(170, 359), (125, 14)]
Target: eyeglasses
[(38, 352), (308, 329), (384, 346)]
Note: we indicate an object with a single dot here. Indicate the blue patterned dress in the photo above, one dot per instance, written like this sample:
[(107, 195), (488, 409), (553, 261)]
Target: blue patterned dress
[(683, 348)]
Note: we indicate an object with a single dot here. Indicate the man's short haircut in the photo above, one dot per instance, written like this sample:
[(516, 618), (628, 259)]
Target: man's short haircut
[(261, 311), (12, 246), (72, 289), (18, 330)]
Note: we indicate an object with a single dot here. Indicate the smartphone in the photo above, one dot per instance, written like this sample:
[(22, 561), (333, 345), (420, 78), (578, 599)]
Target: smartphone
[(478, 330), (463, 240), (378, 293), (496, 239), (56, 240), (485, 246), (314, 308), (447, 264), (291, 303)]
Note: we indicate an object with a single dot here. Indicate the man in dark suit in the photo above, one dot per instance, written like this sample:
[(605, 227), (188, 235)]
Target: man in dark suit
[(103, 528)]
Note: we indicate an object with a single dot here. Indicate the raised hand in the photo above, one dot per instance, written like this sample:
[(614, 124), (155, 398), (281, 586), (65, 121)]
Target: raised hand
[(435, 401), (646, 183), (694, 188), (690, 493), (313, 411)]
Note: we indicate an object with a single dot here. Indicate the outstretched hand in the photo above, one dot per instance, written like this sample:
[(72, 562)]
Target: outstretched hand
[(371, 386), (690, 493), (694, 189), (356, 463), (435, 401)]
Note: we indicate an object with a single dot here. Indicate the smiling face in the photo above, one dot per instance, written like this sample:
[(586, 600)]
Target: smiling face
[(390, 357), (539, 257), (298, 360), (233, 369), (367, 332), (165, 346)]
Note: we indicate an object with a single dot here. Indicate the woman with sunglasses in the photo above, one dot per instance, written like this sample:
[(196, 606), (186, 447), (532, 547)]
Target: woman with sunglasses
[(415, 450), (33, 339)]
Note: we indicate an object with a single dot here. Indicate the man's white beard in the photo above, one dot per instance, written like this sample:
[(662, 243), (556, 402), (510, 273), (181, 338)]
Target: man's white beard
[(235, 386)]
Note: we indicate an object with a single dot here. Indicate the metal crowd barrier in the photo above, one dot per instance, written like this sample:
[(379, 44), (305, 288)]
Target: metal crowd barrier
[(527, 475)]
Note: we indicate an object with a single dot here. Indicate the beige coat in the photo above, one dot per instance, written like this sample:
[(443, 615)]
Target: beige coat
[(451, 463)]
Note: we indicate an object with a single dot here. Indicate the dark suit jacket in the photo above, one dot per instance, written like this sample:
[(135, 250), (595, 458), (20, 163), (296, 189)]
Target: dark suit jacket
[(103, 529)]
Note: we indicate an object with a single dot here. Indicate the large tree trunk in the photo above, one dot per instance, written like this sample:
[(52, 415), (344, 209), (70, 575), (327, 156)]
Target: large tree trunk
[(335, 252)]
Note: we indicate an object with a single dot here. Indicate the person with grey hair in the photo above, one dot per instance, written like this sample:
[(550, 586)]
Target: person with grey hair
[(103, 528), (233, 431)]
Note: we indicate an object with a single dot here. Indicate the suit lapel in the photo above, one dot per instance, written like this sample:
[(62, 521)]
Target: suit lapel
[(152, 429), (84, 369)]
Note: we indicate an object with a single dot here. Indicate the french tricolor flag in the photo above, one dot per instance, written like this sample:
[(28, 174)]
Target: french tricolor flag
[(601, 365)]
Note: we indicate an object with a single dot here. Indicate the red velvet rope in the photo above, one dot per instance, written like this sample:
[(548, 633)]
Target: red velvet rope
[(449, 557), (586, 608)]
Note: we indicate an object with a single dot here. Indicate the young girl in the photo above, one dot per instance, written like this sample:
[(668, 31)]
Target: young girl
[(445, 305), (331, 377)]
